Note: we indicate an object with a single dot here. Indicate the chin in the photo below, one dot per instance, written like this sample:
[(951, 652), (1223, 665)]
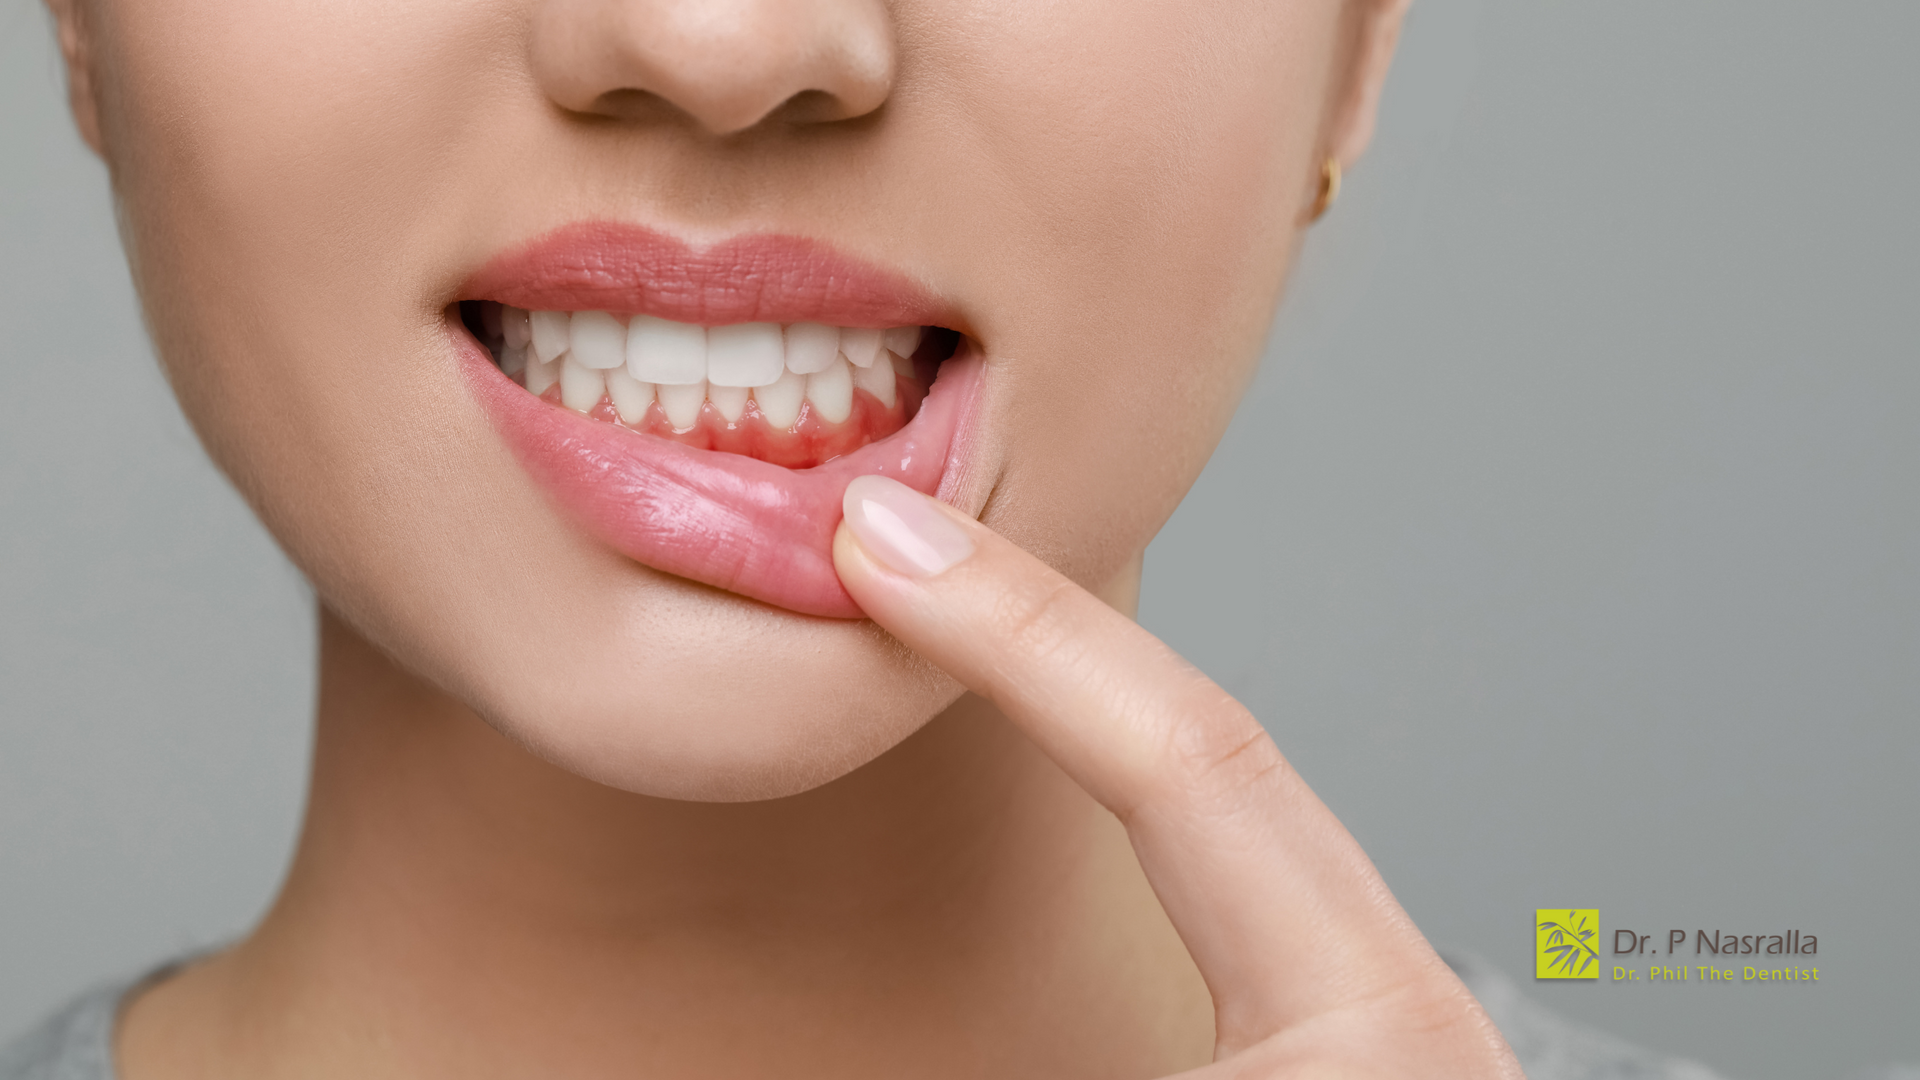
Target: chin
[(690, 693), (662, 687), (704, 697)]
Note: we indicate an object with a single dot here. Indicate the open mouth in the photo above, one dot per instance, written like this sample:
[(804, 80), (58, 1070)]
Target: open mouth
[(796, 395), (701, 408)]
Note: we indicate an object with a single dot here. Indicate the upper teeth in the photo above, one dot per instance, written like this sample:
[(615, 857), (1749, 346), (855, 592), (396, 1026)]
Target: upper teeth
[(630, 357), (680, 354)]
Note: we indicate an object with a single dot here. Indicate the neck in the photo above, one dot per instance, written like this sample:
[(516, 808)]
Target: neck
[(460, 907)]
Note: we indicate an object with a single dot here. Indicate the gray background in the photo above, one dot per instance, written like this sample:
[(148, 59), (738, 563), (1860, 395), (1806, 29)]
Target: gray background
[(1570, 540)]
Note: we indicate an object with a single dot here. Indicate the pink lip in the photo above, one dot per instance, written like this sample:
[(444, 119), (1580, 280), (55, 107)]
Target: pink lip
[(730, 521), (607, 266)]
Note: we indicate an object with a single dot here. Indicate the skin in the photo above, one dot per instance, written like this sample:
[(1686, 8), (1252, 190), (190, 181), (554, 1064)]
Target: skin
[(571, 816)]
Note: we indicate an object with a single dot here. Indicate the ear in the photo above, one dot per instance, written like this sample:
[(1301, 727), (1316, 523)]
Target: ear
[(76, 45), (1372, 32)]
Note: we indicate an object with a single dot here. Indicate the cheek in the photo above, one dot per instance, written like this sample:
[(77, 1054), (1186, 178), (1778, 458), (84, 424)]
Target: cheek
[(275, 162), (268, 117), (269, 159), (1142, 176)]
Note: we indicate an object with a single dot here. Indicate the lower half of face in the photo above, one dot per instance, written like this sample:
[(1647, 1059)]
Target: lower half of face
[(544, 338)]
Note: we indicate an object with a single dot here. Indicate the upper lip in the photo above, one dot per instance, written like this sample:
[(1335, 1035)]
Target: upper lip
[(752, 277)]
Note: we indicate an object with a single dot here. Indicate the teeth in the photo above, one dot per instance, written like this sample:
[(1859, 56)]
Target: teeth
[(876, 380), (671, 353), (629, 395), (598, 340), (516, 327), (831, 392), (811, 347), (681, 402), (745, 354), (635, 362), (541, 375), (901, 340), (860, 346), (513, 359), (780, 402), (580, 386), (549, 333), (729, 401)]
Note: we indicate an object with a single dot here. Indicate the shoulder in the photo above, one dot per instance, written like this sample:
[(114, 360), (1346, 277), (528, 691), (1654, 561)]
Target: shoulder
[(75, 1043)]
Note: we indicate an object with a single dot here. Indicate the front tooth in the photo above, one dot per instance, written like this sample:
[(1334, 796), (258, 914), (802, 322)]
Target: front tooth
[(831, 392), (780, 403), (550, 334), (729, 401), (630, 396), (580, 385), (811, 347), (681, 402), (860, 346), (515, 327), (745, 354), (598, 340), (904, 365), (876, 380), (670, 353), (541, 374), (902, 340)]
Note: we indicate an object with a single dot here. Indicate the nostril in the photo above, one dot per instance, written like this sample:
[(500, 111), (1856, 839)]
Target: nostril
[(725, 65), (814, 107), (640, 105), (643, 106)]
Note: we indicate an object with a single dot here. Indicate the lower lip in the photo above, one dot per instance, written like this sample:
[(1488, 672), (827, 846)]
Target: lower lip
[(729, 521)]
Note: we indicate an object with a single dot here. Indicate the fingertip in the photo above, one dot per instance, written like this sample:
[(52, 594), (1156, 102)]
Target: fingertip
[(897, 527), (874, 586)]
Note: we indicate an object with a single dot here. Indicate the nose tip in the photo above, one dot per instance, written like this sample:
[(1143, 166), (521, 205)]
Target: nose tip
[(725, 65)]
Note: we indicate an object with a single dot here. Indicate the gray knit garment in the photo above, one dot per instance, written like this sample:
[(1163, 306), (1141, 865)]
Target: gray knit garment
[(77, 1042)]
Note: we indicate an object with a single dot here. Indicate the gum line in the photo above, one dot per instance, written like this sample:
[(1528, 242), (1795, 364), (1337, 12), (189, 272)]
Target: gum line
[(810, 441)]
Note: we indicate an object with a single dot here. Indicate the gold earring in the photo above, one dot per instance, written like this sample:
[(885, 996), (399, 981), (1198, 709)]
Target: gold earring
[(1329, 188)]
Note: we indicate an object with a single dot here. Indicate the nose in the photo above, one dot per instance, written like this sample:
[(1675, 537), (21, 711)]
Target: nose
[(726, 64)]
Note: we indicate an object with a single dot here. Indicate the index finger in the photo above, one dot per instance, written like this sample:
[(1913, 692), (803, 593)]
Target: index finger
[(1281, 910)]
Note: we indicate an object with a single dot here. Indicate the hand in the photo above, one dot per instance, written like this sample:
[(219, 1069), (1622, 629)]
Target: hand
[(1314, 969)]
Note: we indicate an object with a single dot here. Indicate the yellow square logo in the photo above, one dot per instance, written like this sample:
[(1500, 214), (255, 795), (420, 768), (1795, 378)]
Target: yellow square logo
[(1565, 943)]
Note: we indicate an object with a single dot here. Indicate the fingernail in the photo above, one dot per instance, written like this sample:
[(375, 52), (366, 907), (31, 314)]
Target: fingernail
[(902, 528)]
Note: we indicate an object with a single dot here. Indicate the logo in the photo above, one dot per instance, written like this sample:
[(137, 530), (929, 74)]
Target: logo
[(1564, 942)]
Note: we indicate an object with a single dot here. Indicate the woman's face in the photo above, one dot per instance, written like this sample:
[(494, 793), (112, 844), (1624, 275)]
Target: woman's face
[(340, 212)]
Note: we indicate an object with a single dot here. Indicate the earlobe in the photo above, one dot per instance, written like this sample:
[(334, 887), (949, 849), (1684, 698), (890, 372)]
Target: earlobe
[(70, 21)]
